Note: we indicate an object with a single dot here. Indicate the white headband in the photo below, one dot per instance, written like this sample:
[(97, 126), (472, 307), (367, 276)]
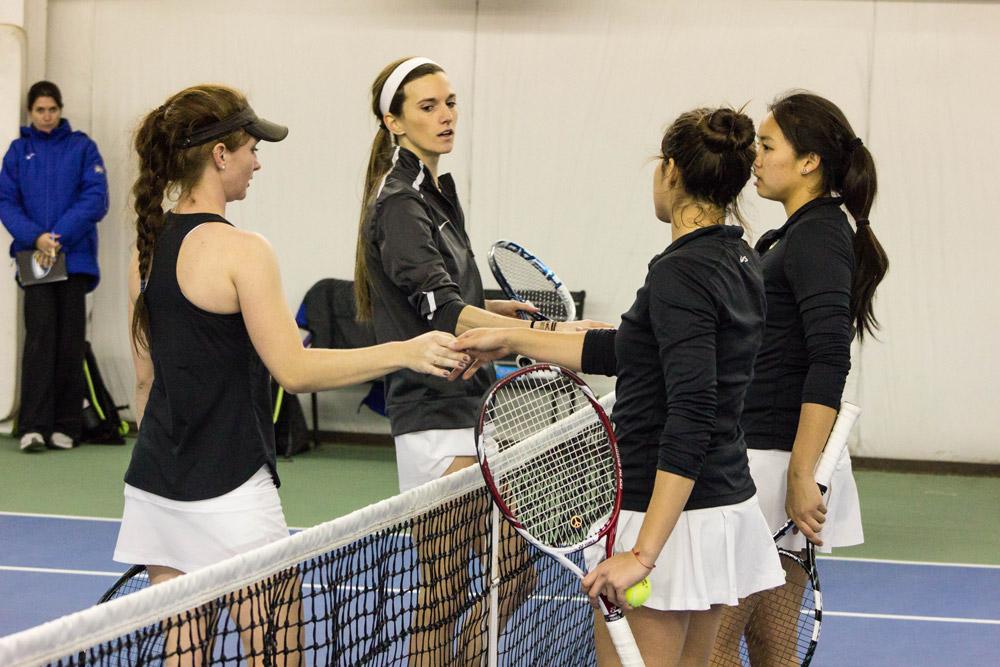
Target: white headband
[(391, 85)]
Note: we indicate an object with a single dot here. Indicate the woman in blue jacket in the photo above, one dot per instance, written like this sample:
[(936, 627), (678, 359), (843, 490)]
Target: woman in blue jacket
[(53, 192)]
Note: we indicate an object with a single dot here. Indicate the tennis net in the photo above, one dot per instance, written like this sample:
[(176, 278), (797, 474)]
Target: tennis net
[(429, 577)]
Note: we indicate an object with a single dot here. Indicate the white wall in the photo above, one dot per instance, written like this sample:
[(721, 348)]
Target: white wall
[(12, 75), (931, 385), (562, 105)]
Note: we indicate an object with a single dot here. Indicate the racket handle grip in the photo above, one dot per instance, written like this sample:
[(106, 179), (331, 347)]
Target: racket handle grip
[(836, 443), (621, 637)]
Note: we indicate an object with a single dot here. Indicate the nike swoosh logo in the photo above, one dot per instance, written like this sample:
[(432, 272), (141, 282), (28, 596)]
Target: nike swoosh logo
[(441, 226)]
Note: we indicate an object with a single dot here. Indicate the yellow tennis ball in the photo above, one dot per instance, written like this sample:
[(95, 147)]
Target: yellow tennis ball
[(637, 595)]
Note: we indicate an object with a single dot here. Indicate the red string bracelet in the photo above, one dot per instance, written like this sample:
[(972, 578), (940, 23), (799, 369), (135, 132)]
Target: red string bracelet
[(635, 552)]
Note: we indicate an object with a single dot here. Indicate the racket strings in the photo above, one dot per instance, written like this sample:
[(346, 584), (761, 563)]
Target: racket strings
[(550, 457), (772, 627), (146, 646), (530, 284)]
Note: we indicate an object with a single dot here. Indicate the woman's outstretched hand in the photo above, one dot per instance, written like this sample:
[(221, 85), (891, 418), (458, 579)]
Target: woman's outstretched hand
[(431, 353), (509, 308), (483, 346), (583, 325)]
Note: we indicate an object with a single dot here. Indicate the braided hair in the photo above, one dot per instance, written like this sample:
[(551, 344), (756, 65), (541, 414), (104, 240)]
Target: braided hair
[(167, 171)]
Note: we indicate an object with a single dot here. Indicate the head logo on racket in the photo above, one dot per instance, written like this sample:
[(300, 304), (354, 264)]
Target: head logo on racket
[(523, 277)]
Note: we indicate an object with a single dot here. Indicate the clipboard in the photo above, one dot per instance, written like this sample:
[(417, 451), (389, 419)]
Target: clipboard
[(30, 272)]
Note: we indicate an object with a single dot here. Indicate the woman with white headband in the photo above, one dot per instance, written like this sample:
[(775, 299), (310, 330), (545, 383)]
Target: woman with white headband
[(415, 272), (415, 269)]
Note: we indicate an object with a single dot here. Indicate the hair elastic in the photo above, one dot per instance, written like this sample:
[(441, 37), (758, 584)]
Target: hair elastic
[(862, 222), (854, 144), (392, 84)]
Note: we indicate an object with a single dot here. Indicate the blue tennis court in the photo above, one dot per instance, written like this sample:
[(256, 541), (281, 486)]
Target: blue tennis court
[(876, 612)]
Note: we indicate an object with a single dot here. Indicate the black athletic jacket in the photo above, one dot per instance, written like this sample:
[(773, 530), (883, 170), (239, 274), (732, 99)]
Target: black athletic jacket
[(684, 356), (808, 269), (423, 273)]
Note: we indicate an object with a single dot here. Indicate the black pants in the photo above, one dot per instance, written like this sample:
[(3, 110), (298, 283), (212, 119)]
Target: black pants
[(52, 381)]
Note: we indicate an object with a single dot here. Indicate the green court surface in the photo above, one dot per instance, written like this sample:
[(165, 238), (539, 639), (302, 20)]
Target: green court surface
[(914, 517)]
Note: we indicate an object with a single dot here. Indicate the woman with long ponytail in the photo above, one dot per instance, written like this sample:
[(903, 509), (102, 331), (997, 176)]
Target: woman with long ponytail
[(821, 273), (415, 272), (210, 325)]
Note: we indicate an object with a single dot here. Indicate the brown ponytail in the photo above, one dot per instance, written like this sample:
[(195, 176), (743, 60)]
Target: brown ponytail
[(813, 124), (379, 164), (166, 170)]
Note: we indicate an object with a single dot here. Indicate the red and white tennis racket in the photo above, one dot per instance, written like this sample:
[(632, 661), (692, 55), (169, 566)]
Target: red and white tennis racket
[(550, 460)]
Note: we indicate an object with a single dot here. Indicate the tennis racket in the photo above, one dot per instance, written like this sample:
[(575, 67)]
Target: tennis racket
[(135, 578), (525, 278), (146, 647), (781, 626), (550, 460)]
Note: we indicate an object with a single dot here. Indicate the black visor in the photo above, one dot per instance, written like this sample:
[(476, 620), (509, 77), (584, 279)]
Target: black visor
[(246, 120)]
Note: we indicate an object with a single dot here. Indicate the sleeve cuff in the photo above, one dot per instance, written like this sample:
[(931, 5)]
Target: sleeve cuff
[(598, 356), (445, 317), (682, 471), (829, 400), (685, 459)]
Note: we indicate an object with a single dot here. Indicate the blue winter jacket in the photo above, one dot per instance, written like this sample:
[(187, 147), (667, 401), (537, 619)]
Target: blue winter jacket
[(55, 182)]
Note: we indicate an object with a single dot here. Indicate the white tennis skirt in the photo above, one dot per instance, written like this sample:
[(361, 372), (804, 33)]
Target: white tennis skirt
[(191, 535), (769, 469), (423, 456), (715, 555)]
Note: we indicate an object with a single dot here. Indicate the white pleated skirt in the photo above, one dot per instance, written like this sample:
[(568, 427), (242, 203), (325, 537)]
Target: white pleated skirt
[(423, 456), (188, 536), (715, 555), (769, 469)]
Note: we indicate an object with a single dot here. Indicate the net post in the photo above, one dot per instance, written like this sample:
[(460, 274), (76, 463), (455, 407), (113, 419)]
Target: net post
[(493, 644)]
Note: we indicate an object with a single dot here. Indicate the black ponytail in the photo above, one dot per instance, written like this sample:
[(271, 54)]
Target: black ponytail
[(813, 124)]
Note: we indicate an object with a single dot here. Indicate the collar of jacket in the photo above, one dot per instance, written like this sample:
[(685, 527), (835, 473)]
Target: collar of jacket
[(768, 239), (725, 231), (412, 170), (808, 206), (61, 130)]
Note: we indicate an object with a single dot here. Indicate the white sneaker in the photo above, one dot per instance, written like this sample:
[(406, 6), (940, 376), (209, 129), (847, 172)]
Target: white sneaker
[(61, 441), (32, 442)]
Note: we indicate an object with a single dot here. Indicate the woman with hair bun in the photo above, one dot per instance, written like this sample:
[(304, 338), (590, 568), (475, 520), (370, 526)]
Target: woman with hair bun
[(821, 275), (209, 324), (684, 356)]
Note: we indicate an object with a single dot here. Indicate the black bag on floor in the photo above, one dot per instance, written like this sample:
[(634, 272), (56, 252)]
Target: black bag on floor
[(101, 422), (291, 435)]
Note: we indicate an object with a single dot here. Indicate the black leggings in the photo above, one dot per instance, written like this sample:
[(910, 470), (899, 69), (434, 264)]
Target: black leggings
[(52, 381)]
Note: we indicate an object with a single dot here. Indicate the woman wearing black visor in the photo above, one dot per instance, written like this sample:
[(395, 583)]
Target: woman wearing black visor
[(209, 325)]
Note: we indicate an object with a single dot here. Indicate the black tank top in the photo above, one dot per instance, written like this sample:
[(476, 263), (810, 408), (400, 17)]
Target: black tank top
[(207, 426)]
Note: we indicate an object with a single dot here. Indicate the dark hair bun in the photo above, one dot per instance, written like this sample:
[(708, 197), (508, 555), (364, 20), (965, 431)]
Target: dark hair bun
[(725, 130)]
